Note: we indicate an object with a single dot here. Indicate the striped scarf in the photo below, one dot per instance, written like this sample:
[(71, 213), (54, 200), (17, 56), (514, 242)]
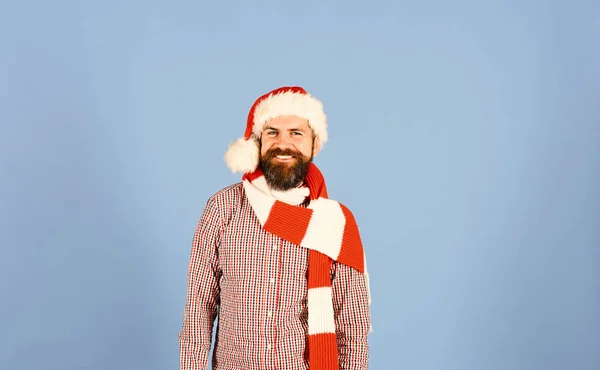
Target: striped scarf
[(328, 229)]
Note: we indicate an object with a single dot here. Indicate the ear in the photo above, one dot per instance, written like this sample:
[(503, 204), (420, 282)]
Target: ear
[(316, 147)]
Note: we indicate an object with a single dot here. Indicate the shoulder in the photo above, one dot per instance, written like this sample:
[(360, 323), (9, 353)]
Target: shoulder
[(333, 206), (232, 193), (225, 201)]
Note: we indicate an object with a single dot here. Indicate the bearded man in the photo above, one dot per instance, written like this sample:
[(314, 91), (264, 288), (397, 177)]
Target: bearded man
[(279, 263)]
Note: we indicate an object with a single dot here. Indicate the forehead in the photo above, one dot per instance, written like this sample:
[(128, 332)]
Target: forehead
[(287, 123)]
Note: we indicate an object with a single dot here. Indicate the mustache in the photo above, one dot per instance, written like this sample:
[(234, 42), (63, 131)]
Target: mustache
[(278, 151)]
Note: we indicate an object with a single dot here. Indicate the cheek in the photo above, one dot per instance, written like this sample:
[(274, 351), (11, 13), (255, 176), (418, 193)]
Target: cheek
[(306, 148), (265, 144)]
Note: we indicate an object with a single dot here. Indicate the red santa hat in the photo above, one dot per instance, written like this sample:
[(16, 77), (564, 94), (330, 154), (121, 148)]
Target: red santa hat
[(243, 154)]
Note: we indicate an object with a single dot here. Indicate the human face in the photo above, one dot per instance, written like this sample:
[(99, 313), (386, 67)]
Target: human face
[(286, 151)]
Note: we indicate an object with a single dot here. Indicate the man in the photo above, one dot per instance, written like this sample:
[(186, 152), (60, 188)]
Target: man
[(281, 264)]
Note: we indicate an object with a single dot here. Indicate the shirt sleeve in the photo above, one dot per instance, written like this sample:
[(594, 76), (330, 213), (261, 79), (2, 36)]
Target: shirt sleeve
[(352, 317), (195, 337)]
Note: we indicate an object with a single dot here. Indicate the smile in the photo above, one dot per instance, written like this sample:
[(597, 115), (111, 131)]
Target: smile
[(284, 157)]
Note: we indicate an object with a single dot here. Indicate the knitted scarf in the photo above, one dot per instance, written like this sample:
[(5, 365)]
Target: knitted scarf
[(328, 229)]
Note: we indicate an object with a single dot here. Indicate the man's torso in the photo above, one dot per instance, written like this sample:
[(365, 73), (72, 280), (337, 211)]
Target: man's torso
[(263, 314)]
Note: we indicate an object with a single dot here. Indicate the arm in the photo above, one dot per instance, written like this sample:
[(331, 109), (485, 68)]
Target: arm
[(352, 317), (195, 338)]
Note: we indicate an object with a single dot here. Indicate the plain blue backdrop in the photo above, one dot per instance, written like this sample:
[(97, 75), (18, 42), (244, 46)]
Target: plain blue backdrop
[(464, 135)]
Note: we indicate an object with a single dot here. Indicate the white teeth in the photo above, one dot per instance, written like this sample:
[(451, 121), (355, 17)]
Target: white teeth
[(284, 156)]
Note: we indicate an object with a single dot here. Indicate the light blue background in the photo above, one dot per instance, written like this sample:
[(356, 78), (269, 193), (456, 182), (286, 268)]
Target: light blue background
[(464, 136)]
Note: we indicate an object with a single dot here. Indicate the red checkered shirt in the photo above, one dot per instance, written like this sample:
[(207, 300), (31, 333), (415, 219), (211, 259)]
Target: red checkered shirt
[(256, 283)]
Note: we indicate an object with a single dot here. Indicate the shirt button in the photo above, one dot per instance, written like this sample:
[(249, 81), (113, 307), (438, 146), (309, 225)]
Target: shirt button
[(272, 280), (269, 346), (270, 313)]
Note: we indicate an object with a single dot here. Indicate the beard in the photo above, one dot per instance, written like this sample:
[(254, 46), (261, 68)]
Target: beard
[(284, 176)]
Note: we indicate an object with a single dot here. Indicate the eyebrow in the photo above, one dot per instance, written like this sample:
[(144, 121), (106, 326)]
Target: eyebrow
[(291, 129)]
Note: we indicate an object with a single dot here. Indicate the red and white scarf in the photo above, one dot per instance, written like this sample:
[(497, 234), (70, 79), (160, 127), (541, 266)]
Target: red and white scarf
[(329, 230)]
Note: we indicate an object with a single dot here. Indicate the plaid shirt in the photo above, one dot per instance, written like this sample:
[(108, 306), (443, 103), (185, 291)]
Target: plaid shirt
[(256, 283)]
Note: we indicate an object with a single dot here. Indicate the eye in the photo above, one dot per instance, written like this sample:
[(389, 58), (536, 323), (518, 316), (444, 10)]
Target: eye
[(297, 133), (271, 132)]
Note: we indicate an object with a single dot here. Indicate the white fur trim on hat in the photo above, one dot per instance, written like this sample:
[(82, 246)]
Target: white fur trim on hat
[(292, 104), (243, 155)]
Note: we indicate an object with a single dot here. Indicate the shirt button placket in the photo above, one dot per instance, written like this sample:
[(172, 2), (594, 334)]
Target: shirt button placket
[(273, 290)]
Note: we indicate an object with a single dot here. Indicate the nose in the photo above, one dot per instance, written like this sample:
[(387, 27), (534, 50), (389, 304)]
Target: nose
[(284, 141)]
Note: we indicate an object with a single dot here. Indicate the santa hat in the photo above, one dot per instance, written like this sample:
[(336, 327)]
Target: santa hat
[(243, 154)]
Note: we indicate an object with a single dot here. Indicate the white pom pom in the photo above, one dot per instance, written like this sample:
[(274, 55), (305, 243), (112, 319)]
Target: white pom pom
[(242, 155)]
